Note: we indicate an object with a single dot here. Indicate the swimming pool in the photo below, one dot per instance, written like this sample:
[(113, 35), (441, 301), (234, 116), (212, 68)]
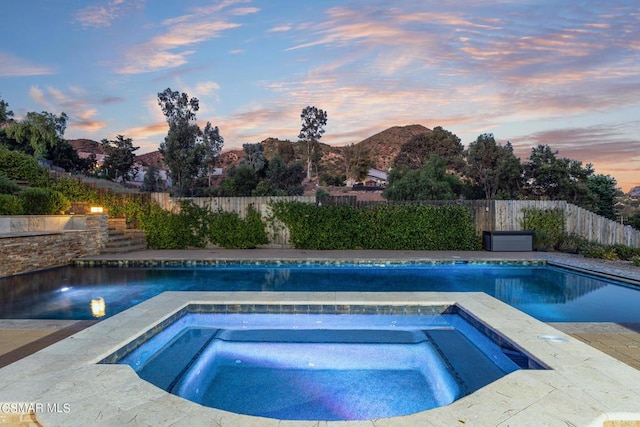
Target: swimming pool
[(323, 367), (549, 293)]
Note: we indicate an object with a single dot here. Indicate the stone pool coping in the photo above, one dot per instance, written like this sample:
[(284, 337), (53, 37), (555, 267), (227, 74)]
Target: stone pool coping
[(615, 269), (585, 386)]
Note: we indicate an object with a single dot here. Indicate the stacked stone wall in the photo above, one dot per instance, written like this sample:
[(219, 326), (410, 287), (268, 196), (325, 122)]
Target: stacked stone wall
[(22, 252)]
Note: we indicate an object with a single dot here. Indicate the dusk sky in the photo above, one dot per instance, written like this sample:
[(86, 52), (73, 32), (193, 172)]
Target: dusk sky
[(560, 72)]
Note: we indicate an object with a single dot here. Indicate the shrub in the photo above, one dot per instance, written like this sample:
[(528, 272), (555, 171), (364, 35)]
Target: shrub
[(43, 201), (597, 250), (74, 190), (228, 230), (10, 205), (571, 243), (194, 226), (626, 253), (7, 186), (636, 261), (19, 166), (547, 226), (406, 226), (169, 230)]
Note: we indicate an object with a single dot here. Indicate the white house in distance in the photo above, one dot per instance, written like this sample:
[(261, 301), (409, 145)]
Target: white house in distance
[(144, 162), (375, 178)]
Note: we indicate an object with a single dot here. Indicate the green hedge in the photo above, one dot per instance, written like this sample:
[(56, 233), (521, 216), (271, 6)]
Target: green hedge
[(43, 201), (10, 205), (398, 227), (75, 190), (196, 227), (228, 230), (19, 166), (7, 186)]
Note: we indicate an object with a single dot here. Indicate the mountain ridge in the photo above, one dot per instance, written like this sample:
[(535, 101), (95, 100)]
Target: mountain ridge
[(379, 149)]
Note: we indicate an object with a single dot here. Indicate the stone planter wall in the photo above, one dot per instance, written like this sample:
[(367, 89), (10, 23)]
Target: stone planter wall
[(24, 248)]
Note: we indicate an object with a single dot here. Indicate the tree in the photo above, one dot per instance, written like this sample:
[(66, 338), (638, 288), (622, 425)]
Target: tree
[(254, 158), (286, 151), (416, 152), (430, 182), (604, 188), (285, 179), (38, 133), (357, 160), (119, 161), (188, 152), (550, 177), (313, 122), (65, 156), (6, 115), (213, 143), (240, 182), (151, 181), (492, 167)]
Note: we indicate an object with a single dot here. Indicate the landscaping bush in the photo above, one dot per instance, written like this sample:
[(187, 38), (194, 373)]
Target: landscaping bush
[(196, 227), (7, 186), (43, 201), (74, 190), (19, 166), (229, 230), (600, 251), (169, 230), (401, 226), (626, 253), (10, 205), (571, 243), (547, 226)]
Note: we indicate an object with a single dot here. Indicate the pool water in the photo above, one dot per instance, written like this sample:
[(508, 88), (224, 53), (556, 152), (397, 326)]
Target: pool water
[(550, 294), (320, 367)]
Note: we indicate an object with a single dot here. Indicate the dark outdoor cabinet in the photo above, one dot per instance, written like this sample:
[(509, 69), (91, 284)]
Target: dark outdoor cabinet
[(507, 241)]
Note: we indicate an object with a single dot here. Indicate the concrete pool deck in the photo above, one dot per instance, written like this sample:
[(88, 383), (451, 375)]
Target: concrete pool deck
[(620, 341)]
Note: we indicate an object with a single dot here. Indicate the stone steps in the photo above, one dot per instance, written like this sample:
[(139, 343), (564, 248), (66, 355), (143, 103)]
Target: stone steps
[(123, 240)]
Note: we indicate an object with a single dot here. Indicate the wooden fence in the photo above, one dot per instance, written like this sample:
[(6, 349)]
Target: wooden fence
[(278, 233), (510, 213), (496, 215)]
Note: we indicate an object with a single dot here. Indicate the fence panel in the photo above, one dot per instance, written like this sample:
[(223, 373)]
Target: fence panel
[(509, 215)]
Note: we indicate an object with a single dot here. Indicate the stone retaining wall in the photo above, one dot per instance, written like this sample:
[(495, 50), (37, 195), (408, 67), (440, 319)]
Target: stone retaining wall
[(24, 251)]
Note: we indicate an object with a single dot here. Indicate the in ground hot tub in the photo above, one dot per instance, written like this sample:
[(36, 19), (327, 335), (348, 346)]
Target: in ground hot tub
[(322, 366)]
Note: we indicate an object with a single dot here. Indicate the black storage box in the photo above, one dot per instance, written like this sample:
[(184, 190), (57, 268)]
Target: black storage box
[(507, 241)]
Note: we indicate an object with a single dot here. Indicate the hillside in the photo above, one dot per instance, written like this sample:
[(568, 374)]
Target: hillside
[(380, 149), (384, 146), (86, 146)]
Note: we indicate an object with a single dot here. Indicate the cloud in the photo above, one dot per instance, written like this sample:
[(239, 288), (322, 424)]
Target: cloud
[(604, 142), (241, 11), (177, 43), (77, 104), (280, 29), (13, 66), (147, 137), (207, 88), (612, 148), (101, 15), (95, 16)]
